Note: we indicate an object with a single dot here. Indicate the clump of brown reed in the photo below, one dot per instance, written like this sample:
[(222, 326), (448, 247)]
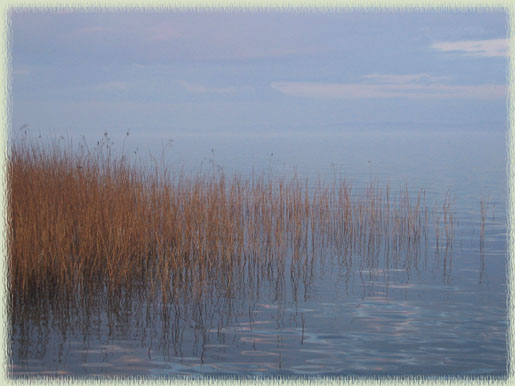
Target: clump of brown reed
[(82, 219)]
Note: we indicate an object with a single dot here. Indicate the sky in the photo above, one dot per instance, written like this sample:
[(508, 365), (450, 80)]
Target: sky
[(190, 73)]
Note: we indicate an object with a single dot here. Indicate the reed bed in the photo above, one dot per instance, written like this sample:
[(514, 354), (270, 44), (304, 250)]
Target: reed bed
[(83, 220)]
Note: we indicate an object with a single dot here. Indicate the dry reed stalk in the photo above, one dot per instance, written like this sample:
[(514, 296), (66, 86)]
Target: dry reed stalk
[(88, 219)]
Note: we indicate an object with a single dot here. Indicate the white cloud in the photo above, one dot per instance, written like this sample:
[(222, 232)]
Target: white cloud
[(391, 86), (490, 47), (405, 78)]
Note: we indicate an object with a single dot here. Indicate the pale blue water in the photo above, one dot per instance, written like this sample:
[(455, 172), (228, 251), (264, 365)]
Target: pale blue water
[(447, 315)]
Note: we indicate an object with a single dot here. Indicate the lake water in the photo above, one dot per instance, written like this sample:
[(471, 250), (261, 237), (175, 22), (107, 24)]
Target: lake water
[(445, 314)]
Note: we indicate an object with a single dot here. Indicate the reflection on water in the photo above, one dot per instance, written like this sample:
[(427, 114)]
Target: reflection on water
[(419, 289)]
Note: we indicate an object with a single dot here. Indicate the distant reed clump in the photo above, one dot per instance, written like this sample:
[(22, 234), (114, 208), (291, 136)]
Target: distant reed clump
[(81, 219)]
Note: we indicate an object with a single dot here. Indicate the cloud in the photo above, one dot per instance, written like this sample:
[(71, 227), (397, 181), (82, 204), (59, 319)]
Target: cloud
[(402, 79), (160, 32), (21, 70), (88, 31), (163, 32), (415, 86), (489, 48), (112, 86), (200, 89)]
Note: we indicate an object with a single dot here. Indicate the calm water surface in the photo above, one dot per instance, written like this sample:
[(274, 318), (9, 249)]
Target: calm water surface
[(443, 314)]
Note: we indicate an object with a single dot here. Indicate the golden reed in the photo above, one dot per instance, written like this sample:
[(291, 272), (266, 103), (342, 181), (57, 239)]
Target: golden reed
[(82, 219)]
